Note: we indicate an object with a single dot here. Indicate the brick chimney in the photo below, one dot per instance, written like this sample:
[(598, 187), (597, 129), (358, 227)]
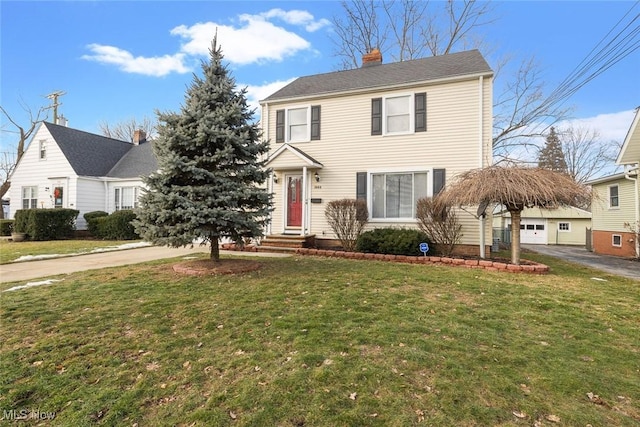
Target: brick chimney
[(139, 136), (372, 58)]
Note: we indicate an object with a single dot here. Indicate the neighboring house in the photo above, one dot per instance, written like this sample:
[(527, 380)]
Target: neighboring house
[(385, 133), (69, 168), (561, 226), (616, 202)]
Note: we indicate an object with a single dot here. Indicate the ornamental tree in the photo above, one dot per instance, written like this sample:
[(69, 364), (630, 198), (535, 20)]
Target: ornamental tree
[(211, 166)]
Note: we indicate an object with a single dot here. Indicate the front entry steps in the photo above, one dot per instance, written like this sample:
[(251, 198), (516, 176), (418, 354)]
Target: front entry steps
[(286, 242)]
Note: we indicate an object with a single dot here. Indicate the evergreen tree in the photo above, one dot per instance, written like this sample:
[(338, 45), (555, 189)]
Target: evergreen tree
[(551, 155), (211, 167)]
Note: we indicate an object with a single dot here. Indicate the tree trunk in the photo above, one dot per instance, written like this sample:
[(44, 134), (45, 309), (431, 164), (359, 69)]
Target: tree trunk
[(215, 250), (515, 236)]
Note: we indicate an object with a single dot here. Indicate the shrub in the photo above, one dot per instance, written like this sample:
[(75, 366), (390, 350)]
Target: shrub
[(440, 223), (394, 241), (116, 226), (347, 218), (46, 224), (92, 221), (6, 226)]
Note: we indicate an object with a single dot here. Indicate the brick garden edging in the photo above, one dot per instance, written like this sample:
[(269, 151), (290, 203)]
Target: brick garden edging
[(530, 266)]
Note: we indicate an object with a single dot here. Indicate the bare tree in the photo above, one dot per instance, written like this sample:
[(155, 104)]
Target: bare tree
[(9, 160), (125, 130), (406, 29), (585, 154)]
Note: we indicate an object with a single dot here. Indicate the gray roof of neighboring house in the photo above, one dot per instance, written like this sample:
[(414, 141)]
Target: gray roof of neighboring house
[(95, 155), (398, 73)]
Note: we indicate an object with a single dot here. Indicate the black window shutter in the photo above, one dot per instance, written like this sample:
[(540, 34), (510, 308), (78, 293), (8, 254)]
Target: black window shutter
[(315, 122), (376, 116), (280, 126), (421, 112), (361, 185), (438, 180)]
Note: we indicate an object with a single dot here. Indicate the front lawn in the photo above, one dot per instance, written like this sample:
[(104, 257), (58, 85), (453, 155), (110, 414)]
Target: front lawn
[(310, 341)]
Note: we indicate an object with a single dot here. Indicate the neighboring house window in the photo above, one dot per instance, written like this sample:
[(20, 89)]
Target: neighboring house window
[(401, 114), (616, 240), (614, 200), (126, 198), (43, 150), (394, 195), (29, 197), (298, 124), (564, 226)]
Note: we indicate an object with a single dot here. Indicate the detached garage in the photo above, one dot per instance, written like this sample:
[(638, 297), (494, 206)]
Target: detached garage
[(562, 226)]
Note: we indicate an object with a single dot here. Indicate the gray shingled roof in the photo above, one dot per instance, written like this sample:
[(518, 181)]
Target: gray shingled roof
[(139, 161), (95, 155), (398, 73)]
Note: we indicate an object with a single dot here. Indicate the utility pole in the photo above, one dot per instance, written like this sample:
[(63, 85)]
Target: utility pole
[(54, 96)]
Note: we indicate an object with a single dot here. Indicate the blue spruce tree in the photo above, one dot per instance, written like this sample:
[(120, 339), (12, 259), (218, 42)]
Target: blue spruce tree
[(211, 166)]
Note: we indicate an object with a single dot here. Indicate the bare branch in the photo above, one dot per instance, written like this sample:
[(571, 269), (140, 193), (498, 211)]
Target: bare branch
[(125, 130), (585, 153)]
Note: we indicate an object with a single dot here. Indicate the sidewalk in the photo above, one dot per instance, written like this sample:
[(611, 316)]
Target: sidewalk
[(28, 270)]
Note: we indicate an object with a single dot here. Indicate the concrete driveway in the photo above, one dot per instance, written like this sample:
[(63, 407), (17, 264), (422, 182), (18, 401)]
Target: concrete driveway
[(610, 264)]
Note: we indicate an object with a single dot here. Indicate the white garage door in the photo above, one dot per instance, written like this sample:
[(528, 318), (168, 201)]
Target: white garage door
[(533, 231)]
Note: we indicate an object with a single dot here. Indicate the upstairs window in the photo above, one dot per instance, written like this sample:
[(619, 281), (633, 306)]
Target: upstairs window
[(399, 114), (43, 150), (614, 200), (298, 124)]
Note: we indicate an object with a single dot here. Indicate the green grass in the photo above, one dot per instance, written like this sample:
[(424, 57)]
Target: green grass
[(10, 251), (309, 341)]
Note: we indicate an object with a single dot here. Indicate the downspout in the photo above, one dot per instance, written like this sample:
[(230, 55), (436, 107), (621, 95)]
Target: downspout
[(627, 175), (481, 123)]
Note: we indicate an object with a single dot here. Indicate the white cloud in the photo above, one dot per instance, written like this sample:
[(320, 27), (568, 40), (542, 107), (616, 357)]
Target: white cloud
[(298, 17), (257, 40), (610, 126), (152, 66), (255, 93)]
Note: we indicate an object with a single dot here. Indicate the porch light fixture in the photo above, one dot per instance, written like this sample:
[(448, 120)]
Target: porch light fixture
[(275, 178), (316, 176)]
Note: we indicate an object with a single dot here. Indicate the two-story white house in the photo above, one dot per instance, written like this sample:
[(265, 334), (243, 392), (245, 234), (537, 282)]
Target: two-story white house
[(68, 168), (386, 133)]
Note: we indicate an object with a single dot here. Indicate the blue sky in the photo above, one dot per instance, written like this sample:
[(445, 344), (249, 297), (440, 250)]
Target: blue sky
[(118, 60)]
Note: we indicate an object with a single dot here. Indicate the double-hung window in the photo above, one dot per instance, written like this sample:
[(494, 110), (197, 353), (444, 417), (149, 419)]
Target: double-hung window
[(29, 197), (43, 150), (614, 200), (126, 198), (397, 114), (394, 195), (298, 124)]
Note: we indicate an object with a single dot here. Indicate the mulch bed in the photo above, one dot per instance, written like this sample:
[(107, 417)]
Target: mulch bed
[(207, 267)]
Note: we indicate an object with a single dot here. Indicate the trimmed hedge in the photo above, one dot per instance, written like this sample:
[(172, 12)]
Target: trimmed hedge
[(392, 241), (92, 221), (116, 226), (46, 224), (6, 226)]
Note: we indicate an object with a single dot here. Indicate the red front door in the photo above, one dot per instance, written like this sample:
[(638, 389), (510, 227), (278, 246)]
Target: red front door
[(294, 201)]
